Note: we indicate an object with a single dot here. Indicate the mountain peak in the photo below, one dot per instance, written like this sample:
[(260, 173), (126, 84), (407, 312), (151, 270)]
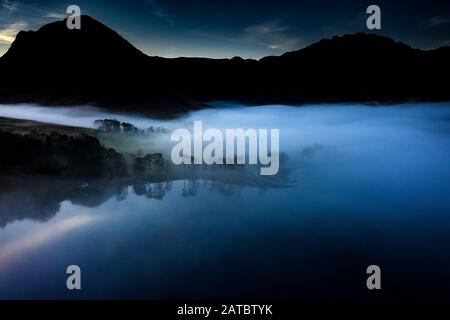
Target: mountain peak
[(94, 42), (353, 44)]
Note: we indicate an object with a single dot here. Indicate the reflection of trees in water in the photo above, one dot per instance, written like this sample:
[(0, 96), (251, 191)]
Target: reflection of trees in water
[(157, 190), (224, 188), (39, 199), (17, 206), (154, 190), (190, 188), (122, 193)]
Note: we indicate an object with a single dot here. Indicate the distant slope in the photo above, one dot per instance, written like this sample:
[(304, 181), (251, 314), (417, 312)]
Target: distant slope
[(363, 67), (95, 65)]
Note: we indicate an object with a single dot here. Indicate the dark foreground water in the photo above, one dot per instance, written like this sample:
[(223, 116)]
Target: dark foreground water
[(367, 186)]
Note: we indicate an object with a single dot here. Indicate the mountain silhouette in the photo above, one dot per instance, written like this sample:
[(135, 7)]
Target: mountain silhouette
[(96, 66), (94, 43)]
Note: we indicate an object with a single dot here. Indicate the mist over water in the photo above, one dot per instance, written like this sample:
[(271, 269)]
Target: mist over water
[(70, 116), (337, 125), (369, 185), (413, 134)]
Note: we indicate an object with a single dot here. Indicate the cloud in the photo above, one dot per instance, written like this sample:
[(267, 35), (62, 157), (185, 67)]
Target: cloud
[(272, 35), (445, 43), (435, 21), (159, 11), (8, 33), (12, 17), (55, 15), (8, 7), (266, 28)]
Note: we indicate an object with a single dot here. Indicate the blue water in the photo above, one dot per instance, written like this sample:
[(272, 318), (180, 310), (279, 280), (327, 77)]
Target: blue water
[(367, 185)]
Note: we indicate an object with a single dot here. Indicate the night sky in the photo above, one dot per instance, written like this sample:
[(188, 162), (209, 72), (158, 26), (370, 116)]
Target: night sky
[(250, 29)]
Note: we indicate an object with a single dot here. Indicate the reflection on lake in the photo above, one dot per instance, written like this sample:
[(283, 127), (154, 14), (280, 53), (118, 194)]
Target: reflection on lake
[(362, 186)]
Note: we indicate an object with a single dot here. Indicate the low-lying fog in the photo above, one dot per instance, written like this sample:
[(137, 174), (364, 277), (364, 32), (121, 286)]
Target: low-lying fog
[(407, 142), (409, 130)]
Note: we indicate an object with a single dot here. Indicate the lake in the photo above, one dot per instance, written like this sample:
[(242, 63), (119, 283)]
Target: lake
[(362, 185)]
